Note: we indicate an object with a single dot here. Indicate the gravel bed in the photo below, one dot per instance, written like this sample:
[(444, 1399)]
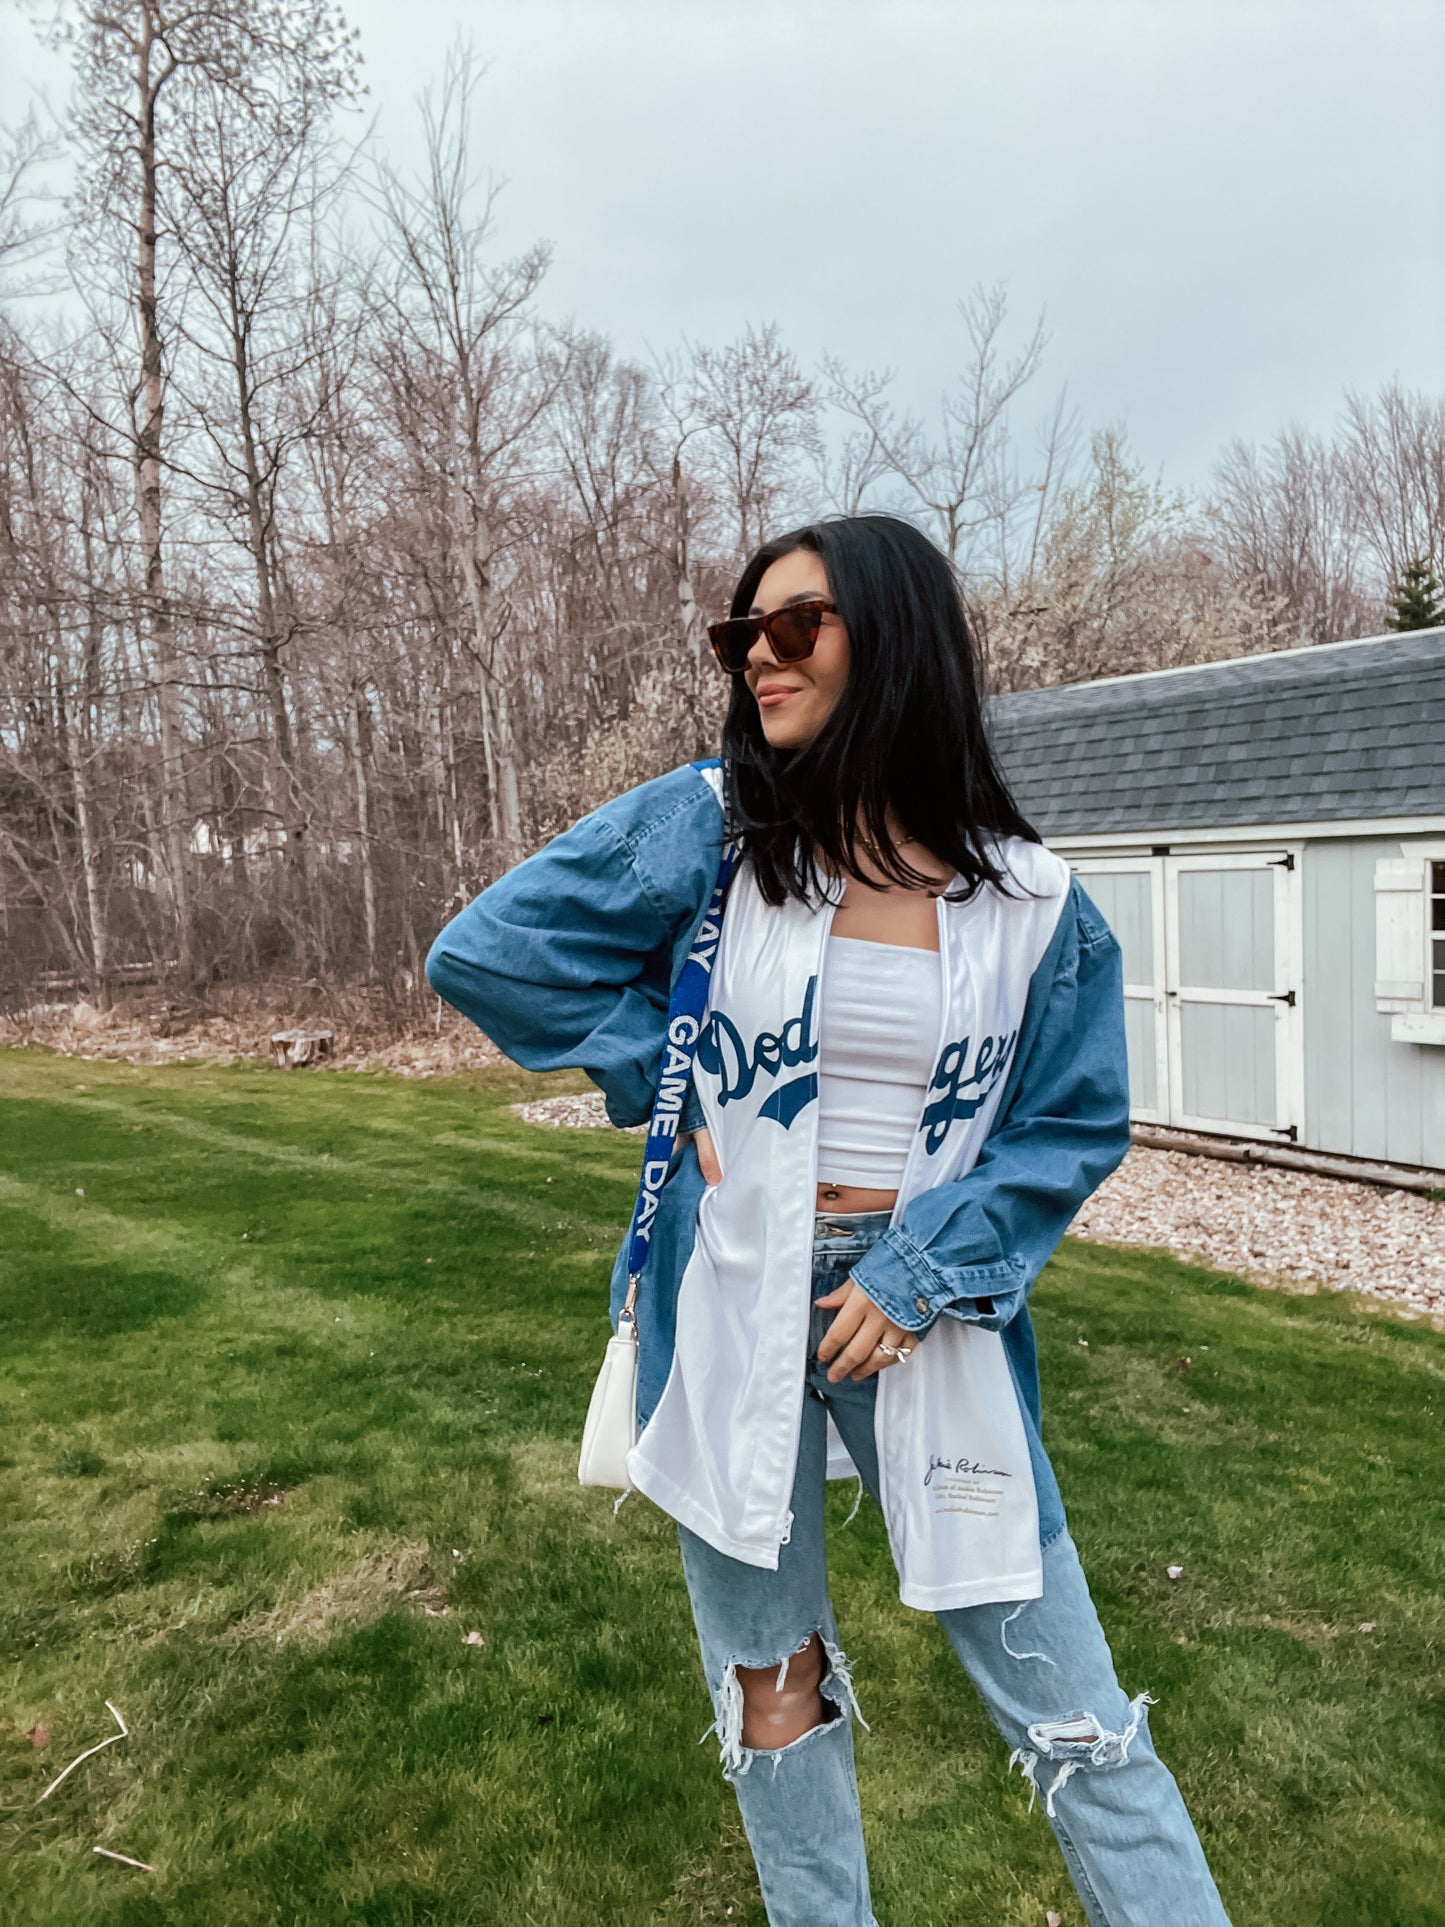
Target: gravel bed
[(1274, 1226), (1271, 1226), (584, 1113)]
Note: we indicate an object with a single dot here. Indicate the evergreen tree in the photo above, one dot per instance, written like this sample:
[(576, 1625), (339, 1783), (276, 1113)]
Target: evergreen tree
[(1417, 602)]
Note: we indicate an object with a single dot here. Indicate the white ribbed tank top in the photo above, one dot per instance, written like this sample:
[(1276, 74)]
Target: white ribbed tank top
[(878, 1025)]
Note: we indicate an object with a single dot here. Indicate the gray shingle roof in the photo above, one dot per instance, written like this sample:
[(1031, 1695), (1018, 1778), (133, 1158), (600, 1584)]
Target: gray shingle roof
[(1342, 731)]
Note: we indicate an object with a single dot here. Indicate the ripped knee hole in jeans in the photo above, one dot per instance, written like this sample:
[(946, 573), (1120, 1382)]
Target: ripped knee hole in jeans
[(835, 1687)]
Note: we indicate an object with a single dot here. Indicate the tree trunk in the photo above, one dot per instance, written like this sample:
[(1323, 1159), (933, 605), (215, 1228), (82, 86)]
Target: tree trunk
[(496, 704), (441, 787), (155, 860), (484, 709), (89, 857), (694, 631), (359, 735), (272, 671), (174, 810), (509, 797), (446, 724)]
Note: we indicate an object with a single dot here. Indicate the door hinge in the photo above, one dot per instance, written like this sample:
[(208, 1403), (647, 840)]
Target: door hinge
[(1283, 997), (1282, 862), (1290, 1131)]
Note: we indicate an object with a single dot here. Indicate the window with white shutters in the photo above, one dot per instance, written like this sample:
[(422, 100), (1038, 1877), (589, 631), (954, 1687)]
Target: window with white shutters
[(1410, 943), (1400, 933)]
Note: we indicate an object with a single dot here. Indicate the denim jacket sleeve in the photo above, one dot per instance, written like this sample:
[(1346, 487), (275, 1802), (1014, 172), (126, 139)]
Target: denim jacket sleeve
[(973, 1248), (566, 961)]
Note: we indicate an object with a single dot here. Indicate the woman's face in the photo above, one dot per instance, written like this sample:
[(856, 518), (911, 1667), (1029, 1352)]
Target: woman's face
[(795, 699)]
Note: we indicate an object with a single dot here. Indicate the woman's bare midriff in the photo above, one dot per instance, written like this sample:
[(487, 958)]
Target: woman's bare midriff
[(847, 1200), (884, 913)]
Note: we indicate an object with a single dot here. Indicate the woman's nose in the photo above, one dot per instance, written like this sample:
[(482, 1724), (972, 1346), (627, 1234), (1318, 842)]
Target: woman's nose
[(761, 656)]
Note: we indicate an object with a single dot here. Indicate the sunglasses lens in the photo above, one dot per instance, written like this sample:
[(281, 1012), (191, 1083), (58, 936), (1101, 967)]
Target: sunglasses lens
[(794, 632), (792, 635), (731, 641)]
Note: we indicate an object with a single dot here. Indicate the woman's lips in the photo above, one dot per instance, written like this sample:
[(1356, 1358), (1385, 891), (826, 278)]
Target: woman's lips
[(770, 694)]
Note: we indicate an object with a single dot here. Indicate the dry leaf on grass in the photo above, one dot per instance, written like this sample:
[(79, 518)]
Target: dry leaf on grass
[(38, 1736)]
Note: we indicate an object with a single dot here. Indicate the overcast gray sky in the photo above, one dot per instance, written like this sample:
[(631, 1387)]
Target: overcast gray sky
[(1231, 210)]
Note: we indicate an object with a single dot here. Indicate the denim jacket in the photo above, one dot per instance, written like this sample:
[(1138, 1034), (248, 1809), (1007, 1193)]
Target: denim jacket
[(568, 961)]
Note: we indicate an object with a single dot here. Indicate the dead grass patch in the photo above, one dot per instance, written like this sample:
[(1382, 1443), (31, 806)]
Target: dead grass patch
[(369, 1034), (390, 1576)]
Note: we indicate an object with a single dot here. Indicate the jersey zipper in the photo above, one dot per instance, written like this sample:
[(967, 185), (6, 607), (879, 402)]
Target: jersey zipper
[(785, 1524), (944, 1013)]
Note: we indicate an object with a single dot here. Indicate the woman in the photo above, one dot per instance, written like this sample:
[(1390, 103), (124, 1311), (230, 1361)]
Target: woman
[(910, 1076)]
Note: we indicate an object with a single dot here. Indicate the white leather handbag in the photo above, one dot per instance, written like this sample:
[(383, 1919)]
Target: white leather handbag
[(611, 1429)]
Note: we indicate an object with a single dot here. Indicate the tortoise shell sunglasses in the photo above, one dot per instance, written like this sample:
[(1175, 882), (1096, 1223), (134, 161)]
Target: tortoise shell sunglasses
[(792, 633)]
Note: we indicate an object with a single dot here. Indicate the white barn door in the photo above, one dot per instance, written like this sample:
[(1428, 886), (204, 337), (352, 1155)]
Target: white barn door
[(1211, 950), (1130, 893), (1231, 935)]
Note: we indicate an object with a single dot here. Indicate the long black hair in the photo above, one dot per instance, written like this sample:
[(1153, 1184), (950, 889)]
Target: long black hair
[(906, 737)]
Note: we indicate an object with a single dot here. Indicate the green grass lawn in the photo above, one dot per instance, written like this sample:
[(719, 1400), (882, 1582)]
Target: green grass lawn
[(288, 1360)]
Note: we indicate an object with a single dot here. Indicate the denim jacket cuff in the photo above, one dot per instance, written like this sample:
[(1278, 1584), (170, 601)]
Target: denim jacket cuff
[(691, 1118), (622, 1110), (898, 1276)]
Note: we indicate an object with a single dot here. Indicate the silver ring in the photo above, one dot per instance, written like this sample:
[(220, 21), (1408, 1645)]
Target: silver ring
[(894, 1351)]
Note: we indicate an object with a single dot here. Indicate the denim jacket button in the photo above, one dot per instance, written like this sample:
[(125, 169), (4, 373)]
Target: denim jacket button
[(920, 1305)]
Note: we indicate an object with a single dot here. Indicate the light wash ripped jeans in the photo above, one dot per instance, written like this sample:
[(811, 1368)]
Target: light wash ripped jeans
[(1043, 1669)]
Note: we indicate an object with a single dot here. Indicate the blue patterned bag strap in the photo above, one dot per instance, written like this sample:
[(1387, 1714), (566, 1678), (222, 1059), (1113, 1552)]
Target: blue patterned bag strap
[(684, 1026)]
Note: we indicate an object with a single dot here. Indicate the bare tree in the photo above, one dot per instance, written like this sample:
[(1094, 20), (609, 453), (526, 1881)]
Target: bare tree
[(1286, 517), (1394, 452), (852, 474), (249, 180), (600, 435), (1124, 581), (756, 414), (54, 513), (24, 237), (962, 475), (671, 461), (467, 321), (126, 56)]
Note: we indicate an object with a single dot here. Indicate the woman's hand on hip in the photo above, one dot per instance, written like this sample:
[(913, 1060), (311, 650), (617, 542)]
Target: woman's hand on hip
[(707, 1155), (851, 1342)]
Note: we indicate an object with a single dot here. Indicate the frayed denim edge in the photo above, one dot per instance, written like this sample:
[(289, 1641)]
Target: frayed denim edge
[(836, 1685), (1050, 1740)]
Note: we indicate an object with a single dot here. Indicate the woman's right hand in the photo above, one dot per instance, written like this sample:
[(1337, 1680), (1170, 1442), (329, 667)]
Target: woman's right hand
[(707, 1156)]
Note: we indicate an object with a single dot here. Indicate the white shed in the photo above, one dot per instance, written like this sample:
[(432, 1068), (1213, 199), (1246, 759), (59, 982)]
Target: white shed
[(1267, 838)]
